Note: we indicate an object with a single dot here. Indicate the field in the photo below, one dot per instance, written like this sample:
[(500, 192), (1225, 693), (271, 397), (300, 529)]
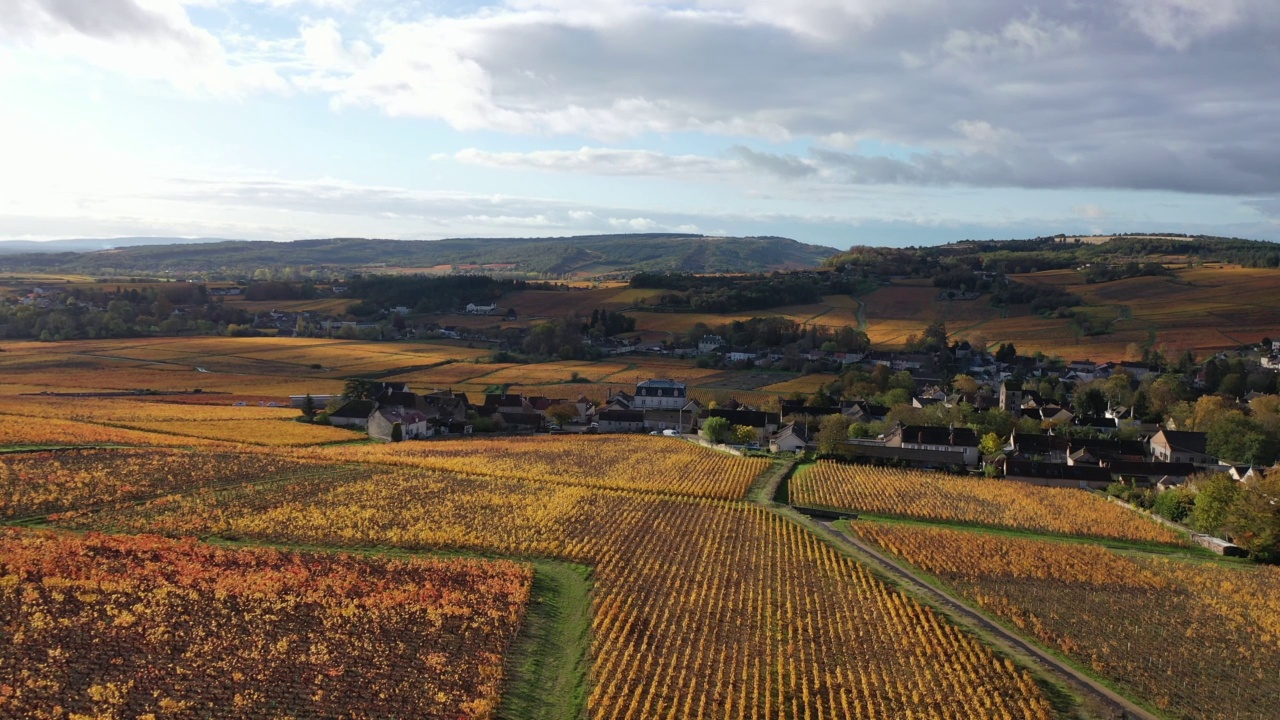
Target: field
[(111, 626), (669, 465), (1199, 640), (978, 501), (794, 630), (51, 482), (114, 421), (640, 577), (1200, 309)]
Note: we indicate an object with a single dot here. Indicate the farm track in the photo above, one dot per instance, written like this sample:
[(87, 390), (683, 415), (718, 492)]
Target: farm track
[(1115, 704)]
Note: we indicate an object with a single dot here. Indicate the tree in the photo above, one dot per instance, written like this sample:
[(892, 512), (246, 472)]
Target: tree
[(743, 434), (1089, 400), (1254, 518), (397, 432), (562, 413), (1235, 437), (1214, 499), (1174, 504), (833, 430), (359, 389), (309, 406), (991, 444), (964, 384), (1232, 385), (715, 429)]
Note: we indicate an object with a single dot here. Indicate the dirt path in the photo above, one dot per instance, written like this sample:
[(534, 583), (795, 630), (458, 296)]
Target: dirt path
[(1110, 702)]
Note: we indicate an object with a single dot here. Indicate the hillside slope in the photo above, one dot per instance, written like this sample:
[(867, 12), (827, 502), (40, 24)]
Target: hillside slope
[(584, 255)]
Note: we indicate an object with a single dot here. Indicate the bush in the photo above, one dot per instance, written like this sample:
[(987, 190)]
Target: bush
[(1174, 504)]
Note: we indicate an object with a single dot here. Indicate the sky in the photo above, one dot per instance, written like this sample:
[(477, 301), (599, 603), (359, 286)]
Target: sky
[(835, 122)]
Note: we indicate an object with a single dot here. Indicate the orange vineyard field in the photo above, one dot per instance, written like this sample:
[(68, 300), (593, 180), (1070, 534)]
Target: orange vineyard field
[(50, 482), (979, 501), (1198, 640), (626, 462), (700, 609), (137, 627)]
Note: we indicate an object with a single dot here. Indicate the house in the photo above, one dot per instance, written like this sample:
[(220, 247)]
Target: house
[(620, 420), (1148, 473), (1011, 398), (709, 343), (679, 420), (863, 411), (764, 423), (413, 424), (660, 395), (620, 401), (945, 439), (1136, 370), (1100, 424), (320, 401), (353, 414), (1244, 473), (1039, 448), (792, 438), (515, 418), (878, 453), (1055, 475), (474, 309), (1181, 446)]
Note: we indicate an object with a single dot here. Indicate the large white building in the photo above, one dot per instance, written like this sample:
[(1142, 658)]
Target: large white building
[(660, 395)]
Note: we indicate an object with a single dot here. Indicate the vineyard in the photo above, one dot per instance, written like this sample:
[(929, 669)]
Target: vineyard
[(110, 626), (17, 430), (701, 608), (51, 482), (1198, 640), (619, 462), (979, 501)]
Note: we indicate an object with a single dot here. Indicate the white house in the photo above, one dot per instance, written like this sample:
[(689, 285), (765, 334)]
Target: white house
[(660, 395), (474, 309), (709, 343), (791, 438)]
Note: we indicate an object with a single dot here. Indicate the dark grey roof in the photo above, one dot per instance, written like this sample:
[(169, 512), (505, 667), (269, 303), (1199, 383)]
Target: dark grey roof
[(936, 435), (1187, 441), (354, 409), (1056, 471)]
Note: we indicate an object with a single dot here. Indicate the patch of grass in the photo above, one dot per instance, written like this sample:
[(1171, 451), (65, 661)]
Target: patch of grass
[(547, 664)]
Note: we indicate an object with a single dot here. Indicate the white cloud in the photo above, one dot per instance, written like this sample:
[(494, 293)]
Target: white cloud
[(1179, 23), (638, 224), (597, 161), (149, 39)]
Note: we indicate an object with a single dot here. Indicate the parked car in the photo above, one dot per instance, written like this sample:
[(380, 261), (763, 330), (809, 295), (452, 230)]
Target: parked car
[(552, 426), (670, 433)]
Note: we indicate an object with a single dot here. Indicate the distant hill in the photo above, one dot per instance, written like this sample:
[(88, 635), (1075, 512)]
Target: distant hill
[(22, 247), (561, 256)]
